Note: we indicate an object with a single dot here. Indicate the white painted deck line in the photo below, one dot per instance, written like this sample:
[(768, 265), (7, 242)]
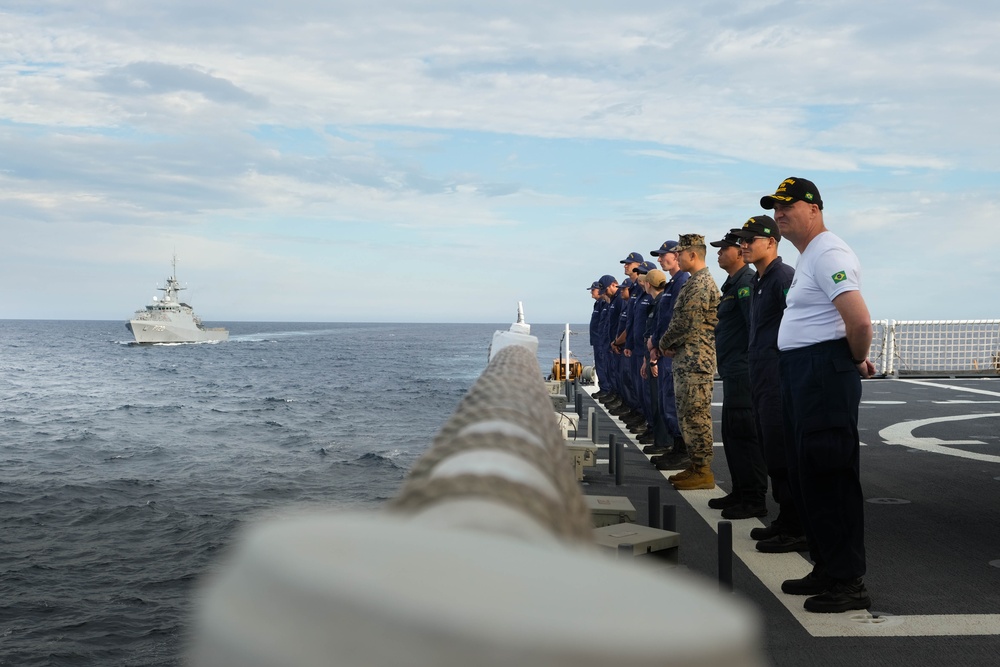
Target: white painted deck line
[(902, 434), (772, 569), (953, 387)]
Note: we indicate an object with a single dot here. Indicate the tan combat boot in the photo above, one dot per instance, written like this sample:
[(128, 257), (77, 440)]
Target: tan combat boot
[(701, 477), (683, 474)]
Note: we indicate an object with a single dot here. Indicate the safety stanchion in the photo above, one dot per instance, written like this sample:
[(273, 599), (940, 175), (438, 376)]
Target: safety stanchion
[(620, 464), (726, 555), (653, 505), (669, 518)]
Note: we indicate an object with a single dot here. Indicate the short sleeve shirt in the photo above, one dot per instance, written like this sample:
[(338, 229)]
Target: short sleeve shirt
[(827, 269)]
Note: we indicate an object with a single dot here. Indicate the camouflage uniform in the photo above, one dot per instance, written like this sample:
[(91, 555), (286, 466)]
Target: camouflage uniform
[(691, 335)]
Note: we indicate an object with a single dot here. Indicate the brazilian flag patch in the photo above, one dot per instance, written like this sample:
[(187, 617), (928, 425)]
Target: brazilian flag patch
[(839, 276), (743, 292)]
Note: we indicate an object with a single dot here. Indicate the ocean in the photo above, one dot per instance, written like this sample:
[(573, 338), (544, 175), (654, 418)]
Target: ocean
[(126, 470)]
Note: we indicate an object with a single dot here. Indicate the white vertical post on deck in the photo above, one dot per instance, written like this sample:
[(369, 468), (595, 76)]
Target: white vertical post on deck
[(566, 355)]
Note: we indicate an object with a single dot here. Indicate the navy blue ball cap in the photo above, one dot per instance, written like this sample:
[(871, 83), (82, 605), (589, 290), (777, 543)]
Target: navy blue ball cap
[(632, 257), (645, 268), (627, 283), (606, 281), (668, 246), (594, 285)]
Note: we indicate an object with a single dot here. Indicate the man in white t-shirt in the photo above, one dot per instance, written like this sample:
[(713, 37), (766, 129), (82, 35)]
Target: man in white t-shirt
[(823, 347)]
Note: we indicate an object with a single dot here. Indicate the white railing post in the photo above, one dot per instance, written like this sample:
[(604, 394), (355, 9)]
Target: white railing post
[(566, 353), (889, 350)]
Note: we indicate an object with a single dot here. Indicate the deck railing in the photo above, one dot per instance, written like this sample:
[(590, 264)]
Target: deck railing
[(486, 557), (936, 347)]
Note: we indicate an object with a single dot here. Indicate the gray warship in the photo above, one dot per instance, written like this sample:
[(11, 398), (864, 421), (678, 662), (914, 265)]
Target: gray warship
[(168, 320)]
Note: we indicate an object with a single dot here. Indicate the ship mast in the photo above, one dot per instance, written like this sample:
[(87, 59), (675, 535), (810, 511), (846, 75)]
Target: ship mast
[(173, 287)]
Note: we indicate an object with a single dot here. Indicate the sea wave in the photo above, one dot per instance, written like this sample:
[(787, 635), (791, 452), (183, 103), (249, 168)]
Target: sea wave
[(125, 470)]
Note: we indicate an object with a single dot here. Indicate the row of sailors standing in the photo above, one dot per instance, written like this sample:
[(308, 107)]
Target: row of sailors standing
[(660, 335)]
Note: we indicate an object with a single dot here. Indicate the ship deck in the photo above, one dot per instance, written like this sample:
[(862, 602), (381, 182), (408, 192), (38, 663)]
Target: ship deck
[(930, 466)]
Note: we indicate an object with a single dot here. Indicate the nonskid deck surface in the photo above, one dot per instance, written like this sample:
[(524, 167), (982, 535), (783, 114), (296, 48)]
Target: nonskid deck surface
[(930, 464)]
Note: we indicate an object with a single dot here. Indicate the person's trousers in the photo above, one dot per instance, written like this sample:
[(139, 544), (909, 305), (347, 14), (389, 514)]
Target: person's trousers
[(668, 400), (662, 437), (614, 371), (820, 393), (625, 381), (601, 365), (744, 457), (765, 390), (640, 388), (694, 414)]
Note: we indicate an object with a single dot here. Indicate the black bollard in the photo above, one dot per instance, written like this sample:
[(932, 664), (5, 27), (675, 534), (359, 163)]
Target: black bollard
[(592, 424), (611, 453), (670, 518), (653, 503), (620, 464), (726, 556)]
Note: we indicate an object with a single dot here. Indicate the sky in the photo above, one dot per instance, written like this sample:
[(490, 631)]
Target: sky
[(439, 161)]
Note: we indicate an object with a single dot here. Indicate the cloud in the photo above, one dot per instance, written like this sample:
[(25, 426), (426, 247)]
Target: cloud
[(308, 135), (152, 78)]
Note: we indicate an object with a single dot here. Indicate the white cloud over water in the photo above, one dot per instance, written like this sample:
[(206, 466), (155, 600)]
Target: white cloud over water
[(439, 161)]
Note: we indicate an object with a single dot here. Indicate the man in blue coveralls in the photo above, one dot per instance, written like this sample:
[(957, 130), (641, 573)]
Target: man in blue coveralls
[(666, 255), (609, 378), (655, 281), (615, 304), (595, 323), (631, 414), (637, 344)]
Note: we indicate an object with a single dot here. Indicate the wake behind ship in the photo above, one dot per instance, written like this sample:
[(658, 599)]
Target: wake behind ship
[(168, 320)]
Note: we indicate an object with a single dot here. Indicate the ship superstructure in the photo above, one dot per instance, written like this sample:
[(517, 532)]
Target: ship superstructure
[(168, 320)]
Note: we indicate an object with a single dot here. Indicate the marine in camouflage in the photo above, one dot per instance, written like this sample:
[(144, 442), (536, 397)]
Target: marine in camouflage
[(691, 335)]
